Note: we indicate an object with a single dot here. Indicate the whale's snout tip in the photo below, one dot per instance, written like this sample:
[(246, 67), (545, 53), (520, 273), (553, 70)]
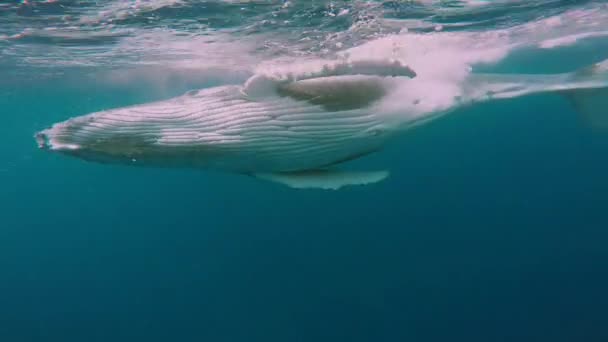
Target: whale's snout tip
[(42, 139), (55, 139)]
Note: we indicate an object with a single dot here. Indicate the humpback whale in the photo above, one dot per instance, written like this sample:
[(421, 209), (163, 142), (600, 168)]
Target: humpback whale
[(298, 129)]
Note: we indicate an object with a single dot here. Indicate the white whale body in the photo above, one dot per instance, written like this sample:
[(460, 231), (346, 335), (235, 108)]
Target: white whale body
[(297, 129)]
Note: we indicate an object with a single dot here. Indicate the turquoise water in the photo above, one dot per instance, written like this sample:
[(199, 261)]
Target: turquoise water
[(492, 226)]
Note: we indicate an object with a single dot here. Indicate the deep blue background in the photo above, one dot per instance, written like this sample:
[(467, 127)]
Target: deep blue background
[(492, 227)]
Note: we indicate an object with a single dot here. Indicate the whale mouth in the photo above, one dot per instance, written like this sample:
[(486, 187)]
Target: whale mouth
[(48, 140)]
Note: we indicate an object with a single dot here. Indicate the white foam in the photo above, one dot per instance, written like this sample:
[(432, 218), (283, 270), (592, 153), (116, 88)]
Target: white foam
[(440, 58)]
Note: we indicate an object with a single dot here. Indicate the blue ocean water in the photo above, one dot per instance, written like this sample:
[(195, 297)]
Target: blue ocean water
[(492, 226)]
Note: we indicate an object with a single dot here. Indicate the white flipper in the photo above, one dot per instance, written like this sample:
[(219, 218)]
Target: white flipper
[(337, 93), (324, 179), (329, 80)]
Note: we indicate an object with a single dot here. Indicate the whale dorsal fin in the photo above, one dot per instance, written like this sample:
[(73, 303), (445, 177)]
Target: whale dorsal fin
[(324, 179)]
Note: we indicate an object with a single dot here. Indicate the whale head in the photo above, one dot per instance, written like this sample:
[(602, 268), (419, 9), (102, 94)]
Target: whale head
[(79, 138), (178, 132)]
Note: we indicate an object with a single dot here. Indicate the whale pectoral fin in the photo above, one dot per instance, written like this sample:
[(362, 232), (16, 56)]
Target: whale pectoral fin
[(324, 179), (331, 76), (337, 93)]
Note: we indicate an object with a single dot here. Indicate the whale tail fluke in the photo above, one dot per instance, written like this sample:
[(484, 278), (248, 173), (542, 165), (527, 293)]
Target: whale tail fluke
[(586, 88), (591, 102), (592, 106)]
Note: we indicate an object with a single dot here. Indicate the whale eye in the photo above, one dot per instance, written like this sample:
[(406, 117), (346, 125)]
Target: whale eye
[(376, 131)]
